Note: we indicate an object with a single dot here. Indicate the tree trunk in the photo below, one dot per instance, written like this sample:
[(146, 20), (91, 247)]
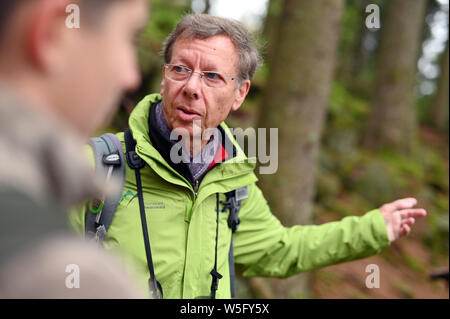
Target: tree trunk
[(271, 26), (352, 36), (207, 6), (295, 102), (439, 111), (393, 118), (182, 3)]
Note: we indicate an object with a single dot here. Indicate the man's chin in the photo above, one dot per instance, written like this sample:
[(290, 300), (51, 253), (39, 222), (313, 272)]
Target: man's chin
[(184, 129)]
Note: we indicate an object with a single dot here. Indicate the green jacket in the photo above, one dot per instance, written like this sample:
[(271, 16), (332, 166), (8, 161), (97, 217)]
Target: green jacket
[(182, 226)]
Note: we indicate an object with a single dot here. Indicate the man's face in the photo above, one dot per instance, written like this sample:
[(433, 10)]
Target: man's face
[(97, 64), (192, 100)]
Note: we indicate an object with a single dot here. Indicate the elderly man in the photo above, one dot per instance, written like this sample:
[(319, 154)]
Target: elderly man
[(177, 220), (56, 68)]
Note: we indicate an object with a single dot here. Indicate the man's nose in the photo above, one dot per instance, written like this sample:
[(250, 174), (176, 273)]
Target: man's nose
[(193, 85)]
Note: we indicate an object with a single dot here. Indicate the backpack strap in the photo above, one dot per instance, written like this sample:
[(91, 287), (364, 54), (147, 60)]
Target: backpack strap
[(109, 162), (233, 203), (136, 163)]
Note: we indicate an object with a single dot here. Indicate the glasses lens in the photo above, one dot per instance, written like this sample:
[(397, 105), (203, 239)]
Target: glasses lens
[(182, 73), (177, 72), (213, 79)]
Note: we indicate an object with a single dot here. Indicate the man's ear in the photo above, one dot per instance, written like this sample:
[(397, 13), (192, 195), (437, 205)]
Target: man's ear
[(240, 94), (44, 31)]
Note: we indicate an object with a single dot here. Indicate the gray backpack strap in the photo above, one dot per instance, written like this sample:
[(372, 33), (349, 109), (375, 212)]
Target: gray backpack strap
[(109, 162)]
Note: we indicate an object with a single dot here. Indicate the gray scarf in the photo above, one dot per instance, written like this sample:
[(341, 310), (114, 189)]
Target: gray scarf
[(199, 164)]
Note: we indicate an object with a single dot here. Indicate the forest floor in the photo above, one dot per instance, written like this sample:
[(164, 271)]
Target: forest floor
[(404, 267), (404, 270)]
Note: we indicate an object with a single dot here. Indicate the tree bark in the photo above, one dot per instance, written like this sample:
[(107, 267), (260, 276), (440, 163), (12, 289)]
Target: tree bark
[(295, 102), (439, 111), (271, 26), (392, 120), (207, 6)]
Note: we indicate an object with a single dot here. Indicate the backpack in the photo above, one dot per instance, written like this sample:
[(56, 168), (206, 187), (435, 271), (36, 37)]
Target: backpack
[(110, 161)]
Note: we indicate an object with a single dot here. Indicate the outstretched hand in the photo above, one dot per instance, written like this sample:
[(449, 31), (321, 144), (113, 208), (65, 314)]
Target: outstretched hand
[(400, 216)]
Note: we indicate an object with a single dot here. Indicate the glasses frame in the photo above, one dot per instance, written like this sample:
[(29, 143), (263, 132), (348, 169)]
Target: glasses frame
[(201, 74)]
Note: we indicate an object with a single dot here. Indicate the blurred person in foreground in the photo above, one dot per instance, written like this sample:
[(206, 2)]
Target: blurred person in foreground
[(58, 85)]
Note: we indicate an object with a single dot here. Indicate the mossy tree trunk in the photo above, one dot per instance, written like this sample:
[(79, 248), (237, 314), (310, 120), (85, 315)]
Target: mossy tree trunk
[(295, 102), (439, 110), (392, 120), (271, 26)]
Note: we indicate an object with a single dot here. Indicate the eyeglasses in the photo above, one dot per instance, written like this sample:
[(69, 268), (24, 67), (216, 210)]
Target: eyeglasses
[(182, 73)]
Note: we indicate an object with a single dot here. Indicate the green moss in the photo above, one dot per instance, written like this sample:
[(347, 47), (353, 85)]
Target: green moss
[(404, 289), (328, 277), (328, 185), (403, 164), (360, 295), (435, 171), (345, 109), (437, 234), (378, 182), (351, 204), (442, 202), (413, 263)]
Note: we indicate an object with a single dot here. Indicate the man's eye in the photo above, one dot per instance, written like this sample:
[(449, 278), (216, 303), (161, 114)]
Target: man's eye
[(212, 76), (178, 68)]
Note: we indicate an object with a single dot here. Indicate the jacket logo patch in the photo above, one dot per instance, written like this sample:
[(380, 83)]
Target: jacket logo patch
[(128, 196), (155, 205)]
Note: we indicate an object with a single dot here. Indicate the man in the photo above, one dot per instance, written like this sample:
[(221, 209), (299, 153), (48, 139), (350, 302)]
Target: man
[(209, 64), (58, 85)]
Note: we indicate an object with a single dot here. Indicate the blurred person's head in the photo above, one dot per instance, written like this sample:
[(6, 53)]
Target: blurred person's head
[(79, 74), (202, 43)]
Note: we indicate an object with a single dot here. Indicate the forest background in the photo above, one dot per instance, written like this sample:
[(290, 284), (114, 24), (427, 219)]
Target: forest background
[(362, 114)]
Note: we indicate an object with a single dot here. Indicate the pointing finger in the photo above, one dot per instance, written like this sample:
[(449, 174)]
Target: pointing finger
[(404, 203), (416, 212)]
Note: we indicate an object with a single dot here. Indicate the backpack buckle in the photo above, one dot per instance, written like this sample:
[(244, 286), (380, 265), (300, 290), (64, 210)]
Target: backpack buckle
[(100, 233), (234, 206), (96, 205), (134, 160), (111, 159)]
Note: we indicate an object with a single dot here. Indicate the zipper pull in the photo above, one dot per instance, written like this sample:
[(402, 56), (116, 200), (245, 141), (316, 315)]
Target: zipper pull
[(196, 188)]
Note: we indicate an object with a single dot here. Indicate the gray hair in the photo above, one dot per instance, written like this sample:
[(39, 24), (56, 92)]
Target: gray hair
[(203, 26)]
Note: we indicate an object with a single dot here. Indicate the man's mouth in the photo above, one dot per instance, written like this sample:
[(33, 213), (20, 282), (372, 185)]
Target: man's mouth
[(187, 115)]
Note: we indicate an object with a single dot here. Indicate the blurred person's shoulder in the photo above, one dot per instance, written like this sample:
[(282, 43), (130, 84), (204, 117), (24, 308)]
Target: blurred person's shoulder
[(25, 220), (39, 258), (41, 156), (64, 266)]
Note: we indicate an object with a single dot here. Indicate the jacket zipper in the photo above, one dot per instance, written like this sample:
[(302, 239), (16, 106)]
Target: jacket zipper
[(196, 188)]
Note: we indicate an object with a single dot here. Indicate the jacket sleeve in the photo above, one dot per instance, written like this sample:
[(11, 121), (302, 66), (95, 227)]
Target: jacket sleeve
[(76, 219), (77, 214), (266, 248)]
